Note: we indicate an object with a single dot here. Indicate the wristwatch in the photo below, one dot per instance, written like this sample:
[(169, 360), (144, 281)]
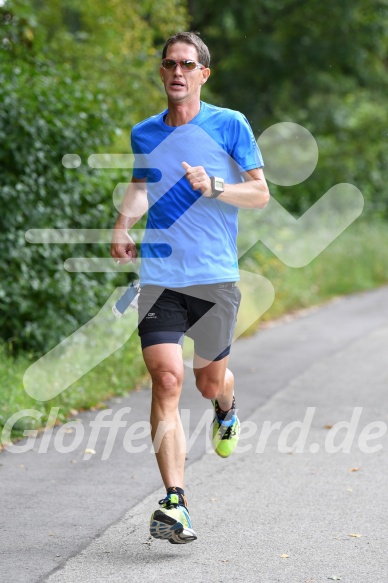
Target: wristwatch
[(218, 185)]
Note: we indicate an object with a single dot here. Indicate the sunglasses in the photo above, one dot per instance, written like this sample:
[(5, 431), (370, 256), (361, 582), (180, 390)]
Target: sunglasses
[(185, 65)]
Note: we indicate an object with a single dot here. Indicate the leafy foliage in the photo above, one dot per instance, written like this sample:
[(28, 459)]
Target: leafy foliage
[(72, 80), (322, 65), (113, 44), (44, 117)]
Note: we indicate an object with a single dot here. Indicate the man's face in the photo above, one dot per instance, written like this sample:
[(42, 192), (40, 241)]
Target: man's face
[(183, 86)]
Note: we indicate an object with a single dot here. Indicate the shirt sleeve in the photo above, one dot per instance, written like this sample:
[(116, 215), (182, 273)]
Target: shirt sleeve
[(138, 171), (243, 146)]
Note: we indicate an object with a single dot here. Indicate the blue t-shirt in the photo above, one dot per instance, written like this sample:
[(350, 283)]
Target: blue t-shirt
[(190, 239)]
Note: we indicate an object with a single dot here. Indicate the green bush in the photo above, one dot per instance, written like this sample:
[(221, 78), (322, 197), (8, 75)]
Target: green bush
[(47, 112)]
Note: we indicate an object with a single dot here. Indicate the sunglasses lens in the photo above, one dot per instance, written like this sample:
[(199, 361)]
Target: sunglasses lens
[(168, 64), (189, 65)]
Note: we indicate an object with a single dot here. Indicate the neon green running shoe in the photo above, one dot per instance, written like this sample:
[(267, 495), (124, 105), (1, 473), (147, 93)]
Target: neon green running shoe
[(172, 522), (225, 434)]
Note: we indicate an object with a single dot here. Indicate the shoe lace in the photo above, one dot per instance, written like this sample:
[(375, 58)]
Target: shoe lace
[(228, 432), (166, 502)]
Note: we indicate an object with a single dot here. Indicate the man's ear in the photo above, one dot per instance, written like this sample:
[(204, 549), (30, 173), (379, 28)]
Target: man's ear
[(205, 76)]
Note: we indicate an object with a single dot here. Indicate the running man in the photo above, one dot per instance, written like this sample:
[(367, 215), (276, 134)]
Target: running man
[(208, 165)]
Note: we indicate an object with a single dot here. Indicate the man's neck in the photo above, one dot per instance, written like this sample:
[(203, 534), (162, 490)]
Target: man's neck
[(179, 115)]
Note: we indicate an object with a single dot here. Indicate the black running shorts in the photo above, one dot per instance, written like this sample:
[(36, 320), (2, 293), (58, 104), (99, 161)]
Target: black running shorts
[(205, 313)]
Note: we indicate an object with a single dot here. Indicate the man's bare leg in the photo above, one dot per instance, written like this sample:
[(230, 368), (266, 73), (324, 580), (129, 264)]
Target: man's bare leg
[(214, 380), (172, 520), (165, 365)]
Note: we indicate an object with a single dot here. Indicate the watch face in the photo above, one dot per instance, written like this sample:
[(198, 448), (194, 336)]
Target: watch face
[(219, 184)]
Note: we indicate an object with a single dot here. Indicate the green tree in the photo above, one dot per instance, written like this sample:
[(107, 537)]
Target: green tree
[(113, 44), (69, 74), (319, 64), (42, 118)]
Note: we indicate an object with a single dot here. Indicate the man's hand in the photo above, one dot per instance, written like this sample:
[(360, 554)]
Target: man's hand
[(123, 248), (198, 179)]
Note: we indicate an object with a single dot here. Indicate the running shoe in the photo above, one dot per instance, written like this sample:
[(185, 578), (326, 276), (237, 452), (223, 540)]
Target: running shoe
[(172, 522), (225, 434)]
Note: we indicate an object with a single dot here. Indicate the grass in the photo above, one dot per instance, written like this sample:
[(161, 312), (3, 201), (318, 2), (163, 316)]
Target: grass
[(356, 261), (116, 375)]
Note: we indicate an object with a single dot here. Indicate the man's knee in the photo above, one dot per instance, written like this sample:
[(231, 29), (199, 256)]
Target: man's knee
[(166, 384), (213, 381), (165, 365), (209, 385)]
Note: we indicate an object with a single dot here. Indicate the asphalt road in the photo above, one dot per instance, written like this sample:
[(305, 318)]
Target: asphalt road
[(304, 499)]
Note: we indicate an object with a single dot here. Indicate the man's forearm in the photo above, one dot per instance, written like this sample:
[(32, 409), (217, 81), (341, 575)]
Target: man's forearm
[(134, 206), (125, 223), (249, 194), (252, 193)]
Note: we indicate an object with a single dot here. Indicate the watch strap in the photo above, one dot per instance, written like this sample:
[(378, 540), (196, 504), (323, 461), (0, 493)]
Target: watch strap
[(216, 191)]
